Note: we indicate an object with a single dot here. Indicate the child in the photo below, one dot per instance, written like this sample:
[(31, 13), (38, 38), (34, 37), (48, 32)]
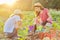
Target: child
[(42, 15), (13, 24)]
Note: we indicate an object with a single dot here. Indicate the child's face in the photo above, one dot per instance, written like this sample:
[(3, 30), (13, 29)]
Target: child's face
[(37, 9)]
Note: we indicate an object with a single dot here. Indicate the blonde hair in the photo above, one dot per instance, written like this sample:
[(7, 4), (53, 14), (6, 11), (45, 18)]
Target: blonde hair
[(38, 5)]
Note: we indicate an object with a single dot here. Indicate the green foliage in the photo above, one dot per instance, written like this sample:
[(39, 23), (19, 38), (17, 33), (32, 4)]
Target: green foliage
[(1, 25), (39, 28), (28, 20), (56, 26), (23, 32)]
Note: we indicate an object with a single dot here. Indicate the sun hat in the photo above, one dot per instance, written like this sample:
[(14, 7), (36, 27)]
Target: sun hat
[(17, 11), (37, 5)]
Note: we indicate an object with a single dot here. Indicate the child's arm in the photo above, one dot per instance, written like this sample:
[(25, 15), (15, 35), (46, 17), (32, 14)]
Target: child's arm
[(19, 24), (49, 18)]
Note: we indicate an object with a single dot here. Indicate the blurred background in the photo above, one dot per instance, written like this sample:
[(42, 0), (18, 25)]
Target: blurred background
[(8, 6)]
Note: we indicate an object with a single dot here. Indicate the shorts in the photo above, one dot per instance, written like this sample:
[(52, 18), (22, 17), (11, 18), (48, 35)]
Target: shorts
[(11, 35)]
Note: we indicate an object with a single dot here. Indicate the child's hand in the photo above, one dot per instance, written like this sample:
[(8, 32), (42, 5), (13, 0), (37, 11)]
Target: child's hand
[(41, 21), (49, 20)]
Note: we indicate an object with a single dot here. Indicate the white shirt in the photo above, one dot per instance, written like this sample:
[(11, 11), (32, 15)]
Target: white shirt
[(10, 23)]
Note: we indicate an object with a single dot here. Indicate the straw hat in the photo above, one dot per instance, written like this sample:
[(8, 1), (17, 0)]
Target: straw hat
[(17, 11), (37, 4)]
